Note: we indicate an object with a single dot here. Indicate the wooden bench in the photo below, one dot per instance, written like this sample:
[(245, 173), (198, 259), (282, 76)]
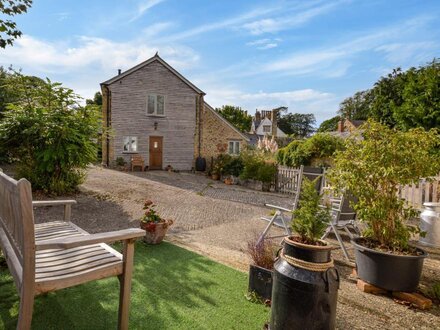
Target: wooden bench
[(55, 255), (137, 160)]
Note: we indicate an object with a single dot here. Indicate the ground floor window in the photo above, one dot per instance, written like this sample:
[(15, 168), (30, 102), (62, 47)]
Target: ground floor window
[(130, 144), (234, 147)]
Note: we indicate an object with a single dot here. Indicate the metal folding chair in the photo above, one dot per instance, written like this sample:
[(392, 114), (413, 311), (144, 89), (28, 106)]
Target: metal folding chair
[(343, 218)]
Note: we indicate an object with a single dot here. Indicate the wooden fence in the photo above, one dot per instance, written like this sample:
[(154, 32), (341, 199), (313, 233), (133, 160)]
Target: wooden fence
[(422, 192), (415, 195)]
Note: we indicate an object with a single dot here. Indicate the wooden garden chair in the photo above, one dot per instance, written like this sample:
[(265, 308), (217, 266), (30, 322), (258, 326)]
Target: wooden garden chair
[(137, 161), (55, 255)]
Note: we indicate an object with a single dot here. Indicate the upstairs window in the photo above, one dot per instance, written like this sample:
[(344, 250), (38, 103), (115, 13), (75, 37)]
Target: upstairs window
[(130, 144), (155, 105), (234, 147), (266, 128)]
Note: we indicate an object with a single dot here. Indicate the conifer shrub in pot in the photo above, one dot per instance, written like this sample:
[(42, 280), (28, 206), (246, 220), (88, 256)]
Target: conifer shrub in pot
[(262, 254), (372, 167), (305, 282)]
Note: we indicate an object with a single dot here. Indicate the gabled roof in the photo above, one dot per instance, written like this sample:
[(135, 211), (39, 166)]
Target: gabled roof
[(226, 121), (147, 62)]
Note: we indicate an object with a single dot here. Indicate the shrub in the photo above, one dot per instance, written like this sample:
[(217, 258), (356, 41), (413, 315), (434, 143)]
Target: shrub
[(262, 253), (120, 161), (256, 166), (233, 167), (372, 169), (310, 221), (302, 152), (49, 134)]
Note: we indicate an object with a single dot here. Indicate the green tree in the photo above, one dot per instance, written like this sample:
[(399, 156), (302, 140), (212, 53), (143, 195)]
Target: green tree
[(298, 125), (356, 107), (329, 125), (8, 28), (236, 116), (49, 134), (97, 99)]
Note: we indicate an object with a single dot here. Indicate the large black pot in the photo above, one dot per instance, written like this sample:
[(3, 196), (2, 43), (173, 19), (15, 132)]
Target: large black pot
[(388, 271), (260, 281), (301, 298)]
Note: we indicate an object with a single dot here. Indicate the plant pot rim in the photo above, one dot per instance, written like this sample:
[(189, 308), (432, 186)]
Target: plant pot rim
[(362, 248), (327, 246)]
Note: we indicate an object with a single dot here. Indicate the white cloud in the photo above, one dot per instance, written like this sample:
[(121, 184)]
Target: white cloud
[(322, 104), (143, 7), (154, 29), (398, 53), (271, 25), (85, 62), (264, 43)]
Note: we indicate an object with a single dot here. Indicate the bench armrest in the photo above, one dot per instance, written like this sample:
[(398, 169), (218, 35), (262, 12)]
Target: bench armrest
[(54, 202), (108, 237), (277, 207), (66, 203)]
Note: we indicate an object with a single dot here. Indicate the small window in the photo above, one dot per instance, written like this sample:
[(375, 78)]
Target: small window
[(130, 144), (155, 105), (234, 147), (266, 128)]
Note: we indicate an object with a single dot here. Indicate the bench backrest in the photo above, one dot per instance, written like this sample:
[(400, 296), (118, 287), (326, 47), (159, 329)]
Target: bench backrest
[(137, 159), (17, 236)]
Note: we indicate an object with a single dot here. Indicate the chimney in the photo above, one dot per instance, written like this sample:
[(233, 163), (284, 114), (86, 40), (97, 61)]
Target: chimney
[(119, 72), (257, 116), (341, 126), (274, 122)]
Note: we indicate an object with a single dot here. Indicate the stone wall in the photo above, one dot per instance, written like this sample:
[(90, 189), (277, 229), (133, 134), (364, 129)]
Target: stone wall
[(216, 134)]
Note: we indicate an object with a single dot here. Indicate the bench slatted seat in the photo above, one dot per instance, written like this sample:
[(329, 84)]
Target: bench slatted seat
[(137, 161), (51, 256)]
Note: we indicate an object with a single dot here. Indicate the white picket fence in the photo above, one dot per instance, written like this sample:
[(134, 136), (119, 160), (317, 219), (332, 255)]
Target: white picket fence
[(415, 195), (422, 192)]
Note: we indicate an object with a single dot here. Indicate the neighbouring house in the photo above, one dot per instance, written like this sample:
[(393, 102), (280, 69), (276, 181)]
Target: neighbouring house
[(265, 123), (346, 127), (153, 111)]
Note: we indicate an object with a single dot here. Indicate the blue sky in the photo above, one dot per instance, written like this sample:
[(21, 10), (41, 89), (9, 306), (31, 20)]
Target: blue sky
[(307, 55)]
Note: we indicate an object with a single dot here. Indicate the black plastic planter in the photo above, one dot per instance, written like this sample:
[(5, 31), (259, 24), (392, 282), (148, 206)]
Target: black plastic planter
[(301, 298), (260, 281), (388, 271)]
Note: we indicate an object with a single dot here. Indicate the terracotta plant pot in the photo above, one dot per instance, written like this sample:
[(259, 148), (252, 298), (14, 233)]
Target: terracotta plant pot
[(228, 181), (155, 232), (215, 176)]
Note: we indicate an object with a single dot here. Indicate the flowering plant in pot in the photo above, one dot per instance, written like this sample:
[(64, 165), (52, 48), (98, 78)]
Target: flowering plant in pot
[(155, 226), (304, 278), (262, 253), (373, 167)]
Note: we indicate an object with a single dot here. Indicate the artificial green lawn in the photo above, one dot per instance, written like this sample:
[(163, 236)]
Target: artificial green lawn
[(173, 288)]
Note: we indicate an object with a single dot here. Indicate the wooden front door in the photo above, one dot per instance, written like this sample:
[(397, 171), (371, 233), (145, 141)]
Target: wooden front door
[(156, 152)]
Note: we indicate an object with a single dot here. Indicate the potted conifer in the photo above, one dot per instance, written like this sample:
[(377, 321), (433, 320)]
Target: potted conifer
[(373, 167), (305, 282)]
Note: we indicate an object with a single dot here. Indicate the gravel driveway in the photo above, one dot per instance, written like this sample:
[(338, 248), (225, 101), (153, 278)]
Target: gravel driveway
[(216, 220)]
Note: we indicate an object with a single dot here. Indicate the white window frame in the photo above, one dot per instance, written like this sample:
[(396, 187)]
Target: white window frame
[(235, 147), (269, 128), (155, 105), (130, 143)]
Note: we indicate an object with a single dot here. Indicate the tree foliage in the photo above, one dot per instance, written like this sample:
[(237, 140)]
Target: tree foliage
[(372, 169), (8, 28), (402, 99), (329, 125), (236, 116), (320, 146), (298, 125), (97, 99), (49, 134)]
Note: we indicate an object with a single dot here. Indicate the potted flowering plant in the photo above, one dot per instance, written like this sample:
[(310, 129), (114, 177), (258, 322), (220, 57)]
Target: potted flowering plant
[(154, 225)]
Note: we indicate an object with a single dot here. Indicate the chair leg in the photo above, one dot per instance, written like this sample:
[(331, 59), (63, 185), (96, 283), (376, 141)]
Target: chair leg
[(125, 285), (341, 242), (266, 230), (26, 309), (327, 231)]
